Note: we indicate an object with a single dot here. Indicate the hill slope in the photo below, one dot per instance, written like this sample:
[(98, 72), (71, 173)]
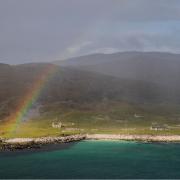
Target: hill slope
[(84, 101), (71, 85)]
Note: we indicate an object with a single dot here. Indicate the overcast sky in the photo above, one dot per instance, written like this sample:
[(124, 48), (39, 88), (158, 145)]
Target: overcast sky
[(48, 30)]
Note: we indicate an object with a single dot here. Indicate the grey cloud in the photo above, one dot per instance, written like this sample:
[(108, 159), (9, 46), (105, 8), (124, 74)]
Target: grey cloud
[(44, 30)]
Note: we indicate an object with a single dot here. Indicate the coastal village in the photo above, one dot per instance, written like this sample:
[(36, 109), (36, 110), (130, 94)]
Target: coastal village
[(68, 128), (64, 127)]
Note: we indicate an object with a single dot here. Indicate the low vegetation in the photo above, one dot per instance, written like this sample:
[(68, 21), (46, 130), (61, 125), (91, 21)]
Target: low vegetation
[(111, 118)]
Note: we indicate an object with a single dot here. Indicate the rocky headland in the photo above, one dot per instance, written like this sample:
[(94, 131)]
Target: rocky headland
[(29, 143)]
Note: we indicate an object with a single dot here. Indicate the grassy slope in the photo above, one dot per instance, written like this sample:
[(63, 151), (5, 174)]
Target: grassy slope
[(75, 88), (115, 118)]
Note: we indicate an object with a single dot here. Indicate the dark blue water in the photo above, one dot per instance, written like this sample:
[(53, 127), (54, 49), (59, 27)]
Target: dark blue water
[(95, 159)]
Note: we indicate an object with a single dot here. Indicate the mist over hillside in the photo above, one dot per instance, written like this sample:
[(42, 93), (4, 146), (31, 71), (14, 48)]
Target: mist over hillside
[(71, 86), (160, 68), (157, 67)]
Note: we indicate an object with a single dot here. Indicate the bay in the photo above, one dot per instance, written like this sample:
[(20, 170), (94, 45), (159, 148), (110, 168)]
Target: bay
[(95, 160)]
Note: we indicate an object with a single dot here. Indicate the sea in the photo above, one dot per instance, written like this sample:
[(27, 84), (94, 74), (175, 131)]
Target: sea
[(94, 160)]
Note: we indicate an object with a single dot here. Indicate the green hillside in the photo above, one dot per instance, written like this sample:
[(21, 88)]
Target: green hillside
[(84, 102)]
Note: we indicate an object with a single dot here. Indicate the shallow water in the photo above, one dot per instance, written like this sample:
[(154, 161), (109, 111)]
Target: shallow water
[(95, 159)]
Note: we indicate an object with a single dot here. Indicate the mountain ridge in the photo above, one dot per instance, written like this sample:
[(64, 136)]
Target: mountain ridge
[(156, 67)]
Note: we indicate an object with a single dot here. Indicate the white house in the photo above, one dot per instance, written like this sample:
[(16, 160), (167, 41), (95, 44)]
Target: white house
[(56, 125)]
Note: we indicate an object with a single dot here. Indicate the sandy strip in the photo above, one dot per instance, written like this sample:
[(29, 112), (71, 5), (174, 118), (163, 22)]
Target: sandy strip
[(159, 138), (19, 140)]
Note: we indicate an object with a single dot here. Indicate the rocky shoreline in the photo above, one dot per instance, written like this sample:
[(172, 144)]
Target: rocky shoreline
[(33, 143)]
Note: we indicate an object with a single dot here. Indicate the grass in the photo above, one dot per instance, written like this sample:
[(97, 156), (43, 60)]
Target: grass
[(114, 118)]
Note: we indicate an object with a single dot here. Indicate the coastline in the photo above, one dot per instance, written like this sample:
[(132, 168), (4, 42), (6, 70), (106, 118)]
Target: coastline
[(34, 143), (144, 138)]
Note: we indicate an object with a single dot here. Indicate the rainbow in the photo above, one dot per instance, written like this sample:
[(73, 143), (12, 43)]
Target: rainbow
[(31, 96)]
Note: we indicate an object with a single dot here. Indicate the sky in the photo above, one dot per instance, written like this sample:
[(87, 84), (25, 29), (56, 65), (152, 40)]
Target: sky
[(50, 30)]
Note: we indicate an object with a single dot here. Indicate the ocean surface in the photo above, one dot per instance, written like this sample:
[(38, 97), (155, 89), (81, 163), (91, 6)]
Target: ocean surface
[(94, 159)]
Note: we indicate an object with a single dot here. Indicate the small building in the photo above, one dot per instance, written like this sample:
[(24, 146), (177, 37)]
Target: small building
[(138, 116), (158, 127), (56, 125)]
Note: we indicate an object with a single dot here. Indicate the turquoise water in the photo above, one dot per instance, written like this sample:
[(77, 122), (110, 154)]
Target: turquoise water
[(96, 159)]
